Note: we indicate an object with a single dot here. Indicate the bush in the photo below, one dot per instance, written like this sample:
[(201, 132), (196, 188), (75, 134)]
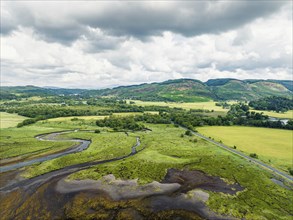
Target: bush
[(97, 131), (254, 155), (188, 133), (290, 171)]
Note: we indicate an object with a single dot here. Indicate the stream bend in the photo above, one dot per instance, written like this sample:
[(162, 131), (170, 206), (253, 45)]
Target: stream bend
[(35, 182)]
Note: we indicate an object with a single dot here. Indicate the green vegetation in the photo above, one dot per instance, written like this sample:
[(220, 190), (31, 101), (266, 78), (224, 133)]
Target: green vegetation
[(286, 115), (184, 105), (164, 148), (273, 146), (10, 120), (22, 142), (278, 104), (105, 145), (113, 123), (238, 114), (179, 90)]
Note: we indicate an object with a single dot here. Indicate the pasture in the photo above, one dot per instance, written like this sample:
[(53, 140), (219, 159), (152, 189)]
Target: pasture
[(22, 142), (8, 120), (185, 105), (273, 146), (288, 114)]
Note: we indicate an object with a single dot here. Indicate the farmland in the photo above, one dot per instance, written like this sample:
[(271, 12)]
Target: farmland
[(288, 114), (273, 146)]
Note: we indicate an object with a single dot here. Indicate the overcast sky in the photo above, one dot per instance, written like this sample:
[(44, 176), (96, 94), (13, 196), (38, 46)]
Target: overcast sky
[(96, 44)]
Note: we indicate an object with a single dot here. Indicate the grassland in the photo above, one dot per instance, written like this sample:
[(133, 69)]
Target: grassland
[(22, 142), (185, 105), (273, 146), (10, 120), (210, 105), (288, 114), (105, 145), (164, 148)]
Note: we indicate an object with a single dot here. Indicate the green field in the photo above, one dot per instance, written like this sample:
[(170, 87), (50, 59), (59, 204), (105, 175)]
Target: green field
[(10, 120), (22, 142), (273, 146), (185, 105), (288, 114), (105, 145)]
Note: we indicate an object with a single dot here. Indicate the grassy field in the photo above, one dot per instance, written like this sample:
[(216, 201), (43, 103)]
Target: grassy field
[(10, 120), (22, 142), (105, 145), (165, 148), (218, 110), (208, 106), (288, 114), (273, 146)]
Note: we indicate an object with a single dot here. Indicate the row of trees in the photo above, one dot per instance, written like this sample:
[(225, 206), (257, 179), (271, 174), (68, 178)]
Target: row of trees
[(133, 122), (238, 114)]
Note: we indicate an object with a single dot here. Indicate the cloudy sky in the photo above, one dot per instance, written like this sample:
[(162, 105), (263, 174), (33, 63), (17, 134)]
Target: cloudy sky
[(96, 44)]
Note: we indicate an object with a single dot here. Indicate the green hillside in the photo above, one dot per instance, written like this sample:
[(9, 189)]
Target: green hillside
[(179, 90), (189, 90)]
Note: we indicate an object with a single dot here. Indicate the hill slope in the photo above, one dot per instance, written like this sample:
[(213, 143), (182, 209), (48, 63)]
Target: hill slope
[(189, 90), (179, 90)]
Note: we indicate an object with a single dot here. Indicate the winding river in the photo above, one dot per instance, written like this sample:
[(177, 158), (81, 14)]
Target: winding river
[(38, 180)]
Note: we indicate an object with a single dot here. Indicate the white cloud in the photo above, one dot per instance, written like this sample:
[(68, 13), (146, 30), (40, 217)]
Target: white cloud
[(96, 58)]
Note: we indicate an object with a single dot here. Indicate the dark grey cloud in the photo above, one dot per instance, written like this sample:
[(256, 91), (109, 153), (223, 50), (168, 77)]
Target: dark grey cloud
[(186, 18), (65, 22)]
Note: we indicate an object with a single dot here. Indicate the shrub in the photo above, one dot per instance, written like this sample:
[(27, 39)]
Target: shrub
[(253, 155), (188, 133)]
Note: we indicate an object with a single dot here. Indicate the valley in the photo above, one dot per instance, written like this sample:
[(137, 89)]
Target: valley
[(110, 158)]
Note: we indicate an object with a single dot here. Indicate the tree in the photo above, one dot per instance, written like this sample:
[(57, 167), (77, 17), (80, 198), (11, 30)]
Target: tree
[(188, 133)]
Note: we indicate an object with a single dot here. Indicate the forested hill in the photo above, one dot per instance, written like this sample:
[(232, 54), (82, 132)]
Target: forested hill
[(185, 90)]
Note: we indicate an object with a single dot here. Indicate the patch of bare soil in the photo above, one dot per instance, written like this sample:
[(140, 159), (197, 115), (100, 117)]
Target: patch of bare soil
[(195, 179)]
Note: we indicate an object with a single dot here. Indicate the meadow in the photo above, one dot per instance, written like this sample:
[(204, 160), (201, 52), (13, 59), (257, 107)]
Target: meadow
[(105, 145), (8, 120), (210, 105), (287, 115), (165, 148), (273, 146), (185, 105), (22, 142)]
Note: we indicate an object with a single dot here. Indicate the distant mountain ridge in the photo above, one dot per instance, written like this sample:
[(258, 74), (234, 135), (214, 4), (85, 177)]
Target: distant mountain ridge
[(185, 90)]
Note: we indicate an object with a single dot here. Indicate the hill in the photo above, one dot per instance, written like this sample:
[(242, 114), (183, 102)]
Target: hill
[(179, 90), (189, 90)]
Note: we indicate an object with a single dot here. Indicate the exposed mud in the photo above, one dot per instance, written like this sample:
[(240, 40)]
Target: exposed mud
[(117, 189), (195, 179)]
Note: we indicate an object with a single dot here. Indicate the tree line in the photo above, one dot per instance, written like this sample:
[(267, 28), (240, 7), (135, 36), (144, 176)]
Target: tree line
[(273, 103)]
